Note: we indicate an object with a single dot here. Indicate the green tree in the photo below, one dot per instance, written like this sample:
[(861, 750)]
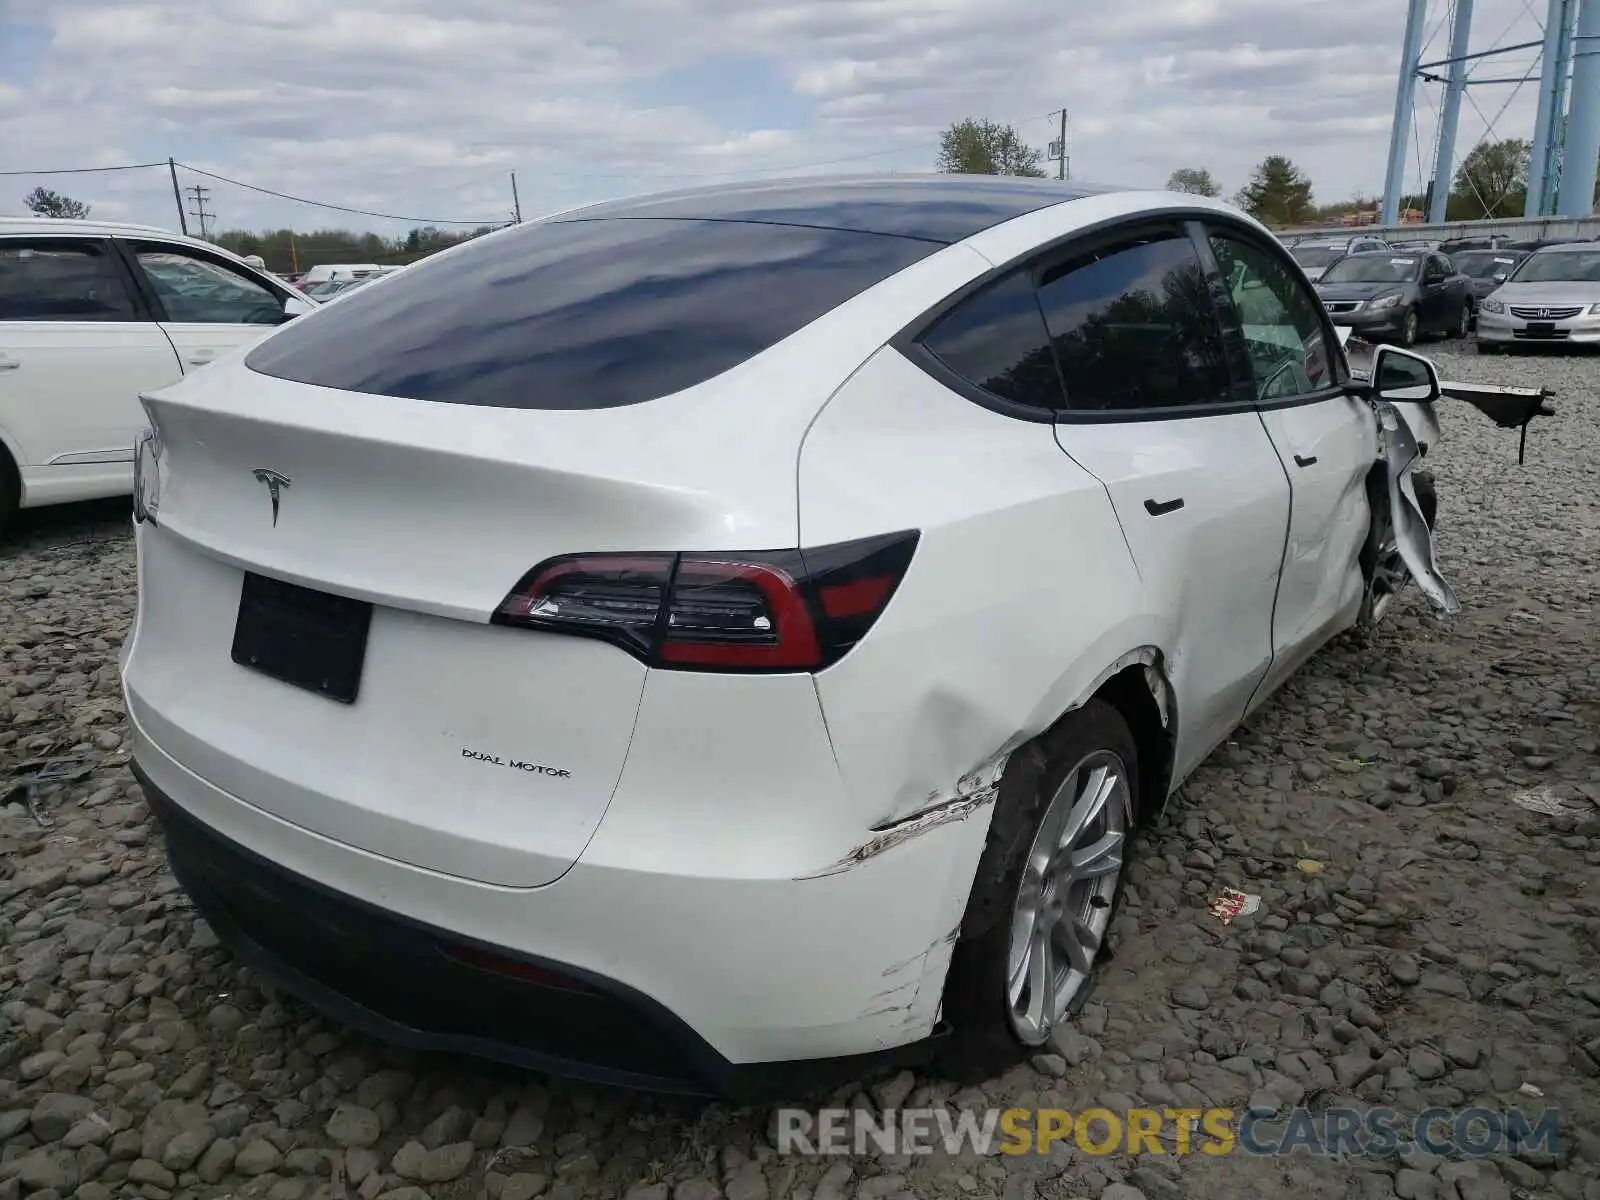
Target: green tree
[(1492, 181), (1196, 181), (286, 250), (1278, 193), (45, 203), (974, 147)]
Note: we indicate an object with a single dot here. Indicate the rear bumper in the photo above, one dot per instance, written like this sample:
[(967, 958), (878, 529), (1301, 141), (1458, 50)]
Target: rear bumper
[(713, 984), (429, 989)]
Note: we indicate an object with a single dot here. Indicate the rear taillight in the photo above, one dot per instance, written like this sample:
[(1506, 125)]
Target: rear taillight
[(776, 610)]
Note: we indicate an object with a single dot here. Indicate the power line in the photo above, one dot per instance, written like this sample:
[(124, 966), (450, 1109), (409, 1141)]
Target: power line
[(87, 170), (359, 212)]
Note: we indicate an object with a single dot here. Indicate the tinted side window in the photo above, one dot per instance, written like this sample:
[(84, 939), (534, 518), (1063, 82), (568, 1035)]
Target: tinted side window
[(1134, 327), (997, 340), (583, 313), (1281, 322), (198, 290), (55, 281)]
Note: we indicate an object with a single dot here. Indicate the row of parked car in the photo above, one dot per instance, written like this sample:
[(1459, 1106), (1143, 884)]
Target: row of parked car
[(1512, 294)]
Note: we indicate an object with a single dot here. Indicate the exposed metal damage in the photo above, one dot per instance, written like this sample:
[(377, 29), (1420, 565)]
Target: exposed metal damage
[(1409, 527), (974, 791)]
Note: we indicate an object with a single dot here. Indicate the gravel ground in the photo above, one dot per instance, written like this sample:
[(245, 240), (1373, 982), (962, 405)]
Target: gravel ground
[(1447, 952)]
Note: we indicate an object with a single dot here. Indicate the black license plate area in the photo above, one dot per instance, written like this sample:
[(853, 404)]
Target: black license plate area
[(1541, 329), (302, 637)]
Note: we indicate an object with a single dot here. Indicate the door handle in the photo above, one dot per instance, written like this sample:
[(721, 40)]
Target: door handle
[(8, 364), (1161, 508), (1300, 461), (200, 357)]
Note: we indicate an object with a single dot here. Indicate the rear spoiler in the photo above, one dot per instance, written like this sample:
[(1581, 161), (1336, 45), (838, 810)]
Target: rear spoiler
[(1508, 407)]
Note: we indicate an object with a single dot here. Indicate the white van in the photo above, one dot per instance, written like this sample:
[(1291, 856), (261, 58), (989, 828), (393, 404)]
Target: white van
[(340, 273)]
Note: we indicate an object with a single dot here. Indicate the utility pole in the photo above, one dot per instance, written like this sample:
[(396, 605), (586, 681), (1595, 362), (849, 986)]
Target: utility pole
[(200, 195), (177, 196), (1058, 149), (516, 205)]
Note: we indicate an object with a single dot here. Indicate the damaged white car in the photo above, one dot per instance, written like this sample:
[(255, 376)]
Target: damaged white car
[(731, 642)]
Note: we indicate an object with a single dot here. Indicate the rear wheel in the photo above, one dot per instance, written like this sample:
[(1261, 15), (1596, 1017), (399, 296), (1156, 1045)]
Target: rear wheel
[(1045, 893)]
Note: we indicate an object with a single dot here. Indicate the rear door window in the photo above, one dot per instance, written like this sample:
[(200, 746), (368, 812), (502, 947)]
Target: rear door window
[(1134, 327), (583, 313), (49, 280)]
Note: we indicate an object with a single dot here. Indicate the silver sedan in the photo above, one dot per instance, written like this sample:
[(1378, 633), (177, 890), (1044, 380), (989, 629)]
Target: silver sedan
[(1552, 296)]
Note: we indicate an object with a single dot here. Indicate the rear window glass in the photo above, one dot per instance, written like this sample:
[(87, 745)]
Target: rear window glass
[(584, 313)]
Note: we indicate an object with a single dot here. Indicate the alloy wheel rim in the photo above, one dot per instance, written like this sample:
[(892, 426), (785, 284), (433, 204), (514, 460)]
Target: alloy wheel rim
[(1411, 327), (1064, 898)]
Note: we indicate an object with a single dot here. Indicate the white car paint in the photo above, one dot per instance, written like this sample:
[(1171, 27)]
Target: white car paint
[(779, 860), (69, 389)]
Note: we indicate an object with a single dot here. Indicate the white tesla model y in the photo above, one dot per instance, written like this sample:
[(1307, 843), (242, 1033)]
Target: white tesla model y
[(720, 640)]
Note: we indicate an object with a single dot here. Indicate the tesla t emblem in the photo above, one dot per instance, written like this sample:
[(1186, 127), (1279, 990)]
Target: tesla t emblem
[(276, 484)]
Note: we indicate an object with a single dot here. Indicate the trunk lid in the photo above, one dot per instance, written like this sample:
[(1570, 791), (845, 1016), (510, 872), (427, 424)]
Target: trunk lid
[(475, 750)]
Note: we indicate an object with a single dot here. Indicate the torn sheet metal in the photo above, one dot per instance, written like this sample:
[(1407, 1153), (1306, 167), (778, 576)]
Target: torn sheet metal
[(30, 776), (1413, 541), (1508, 407), (973, 792)]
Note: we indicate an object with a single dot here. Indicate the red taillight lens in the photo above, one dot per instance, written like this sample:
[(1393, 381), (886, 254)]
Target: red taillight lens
[(783, 610)]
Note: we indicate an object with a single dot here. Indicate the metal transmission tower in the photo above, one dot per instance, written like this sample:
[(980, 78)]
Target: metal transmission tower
[(1566, 138), (1544, 159), (201, 195), (1582, 148)]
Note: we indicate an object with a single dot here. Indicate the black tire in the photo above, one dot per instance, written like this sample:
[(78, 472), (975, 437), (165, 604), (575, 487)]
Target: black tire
[(1463, 321), (981, 1043), (10, 490), (1427, 496), (1410, 328)]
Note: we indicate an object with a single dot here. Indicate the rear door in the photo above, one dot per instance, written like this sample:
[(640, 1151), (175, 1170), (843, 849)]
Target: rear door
[(76, 349), (206, 305), (1155, 413), (1325, 438), (1438, 301)]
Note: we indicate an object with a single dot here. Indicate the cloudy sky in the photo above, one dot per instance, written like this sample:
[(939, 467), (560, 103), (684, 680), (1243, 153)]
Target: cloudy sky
[(421, 109)]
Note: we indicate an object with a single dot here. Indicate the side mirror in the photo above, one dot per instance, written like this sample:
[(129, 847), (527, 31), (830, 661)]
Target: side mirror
[(1402, 377), (1500, 277), (296, 306)]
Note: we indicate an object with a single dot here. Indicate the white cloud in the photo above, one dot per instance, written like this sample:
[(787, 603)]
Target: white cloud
[(410, 107)]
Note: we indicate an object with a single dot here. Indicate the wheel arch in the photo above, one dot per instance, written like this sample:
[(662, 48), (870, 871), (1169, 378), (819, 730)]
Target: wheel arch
[(1137, 686)]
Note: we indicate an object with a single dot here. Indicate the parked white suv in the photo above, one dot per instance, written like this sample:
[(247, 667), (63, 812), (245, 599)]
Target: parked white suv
[(743, 627), (92, 314)]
